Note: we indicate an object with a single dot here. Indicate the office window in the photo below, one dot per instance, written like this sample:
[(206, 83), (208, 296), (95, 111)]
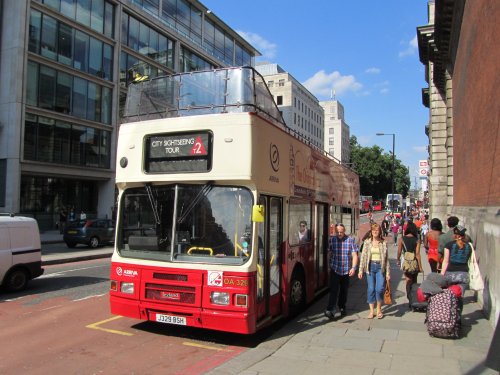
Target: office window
[(65, 44), (63, 92), (95, 57), (32, 84), (79, 97), (49, 37), (83, 11), (81, 54), (68, 8), (281, 82), (330, 130), (47, 88), (270, 84), (279, 100), (97, 16), (35, 30)]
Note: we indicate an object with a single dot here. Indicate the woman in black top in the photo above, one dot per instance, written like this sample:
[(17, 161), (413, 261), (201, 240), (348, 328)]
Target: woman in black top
[(411, 243)]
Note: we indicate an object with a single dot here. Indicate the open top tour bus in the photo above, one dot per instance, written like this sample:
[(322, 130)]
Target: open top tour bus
[(213, 190)]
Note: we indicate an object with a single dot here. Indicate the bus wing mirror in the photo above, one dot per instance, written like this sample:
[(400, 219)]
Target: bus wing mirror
[(258, 213)]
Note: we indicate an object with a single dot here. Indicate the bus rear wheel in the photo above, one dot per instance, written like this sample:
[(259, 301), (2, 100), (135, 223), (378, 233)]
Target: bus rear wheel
[(297, 294)]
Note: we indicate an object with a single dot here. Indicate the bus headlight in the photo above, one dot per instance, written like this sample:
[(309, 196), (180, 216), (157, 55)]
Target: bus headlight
[(219, 298), (127, 288)]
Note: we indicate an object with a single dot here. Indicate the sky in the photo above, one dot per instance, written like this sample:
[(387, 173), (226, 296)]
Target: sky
[(365, 51)]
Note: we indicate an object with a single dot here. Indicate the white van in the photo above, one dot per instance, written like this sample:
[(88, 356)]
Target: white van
[(20, 251)]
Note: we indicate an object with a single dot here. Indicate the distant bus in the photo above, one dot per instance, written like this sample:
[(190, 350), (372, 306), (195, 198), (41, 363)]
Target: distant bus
[(394, 202), (365, 203), (377, 206)]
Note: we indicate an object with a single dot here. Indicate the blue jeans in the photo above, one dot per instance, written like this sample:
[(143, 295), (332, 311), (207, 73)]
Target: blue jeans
[(376, 283)]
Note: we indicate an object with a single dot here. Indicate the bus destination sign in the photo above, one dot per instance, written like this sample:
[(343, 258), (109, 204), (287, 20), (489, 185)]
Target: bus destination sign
[(178, 146)]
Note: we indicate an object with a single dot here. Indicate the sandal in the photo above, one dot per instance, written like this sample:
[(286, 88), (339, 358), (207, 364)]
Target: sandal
[(380, 315), (370, 316)]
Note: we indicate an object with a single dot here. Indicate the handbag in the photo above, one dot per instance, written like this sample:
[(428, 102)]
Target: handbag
[(475, 280), (387, 294), (410, 263)]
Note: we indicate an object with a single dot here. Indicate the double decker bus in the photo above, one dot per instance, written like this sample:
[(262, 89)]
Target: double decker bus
[(212, 191)]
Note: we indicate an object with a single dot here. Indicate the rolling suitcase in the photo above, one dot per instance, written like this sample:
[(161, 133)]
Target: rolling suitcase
[(417, 304)]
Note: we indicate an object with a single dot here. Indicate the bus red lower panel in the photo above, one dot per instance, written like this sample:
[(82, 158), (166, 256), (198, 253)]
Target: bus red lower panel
[(238, 322)]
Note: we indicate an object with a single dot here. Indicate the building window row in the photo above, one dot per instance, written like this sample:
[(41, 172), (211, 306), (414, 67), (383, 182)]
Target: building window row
[(44, 196), (96, 14), (53, 141), (61, 92), (132, 68), (188, 21), (59, 42), (147, 41), (190, 62)]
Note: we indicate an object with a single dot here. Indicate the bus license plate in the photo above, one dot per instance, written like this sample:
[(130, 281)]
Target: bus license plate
[(170, 319)]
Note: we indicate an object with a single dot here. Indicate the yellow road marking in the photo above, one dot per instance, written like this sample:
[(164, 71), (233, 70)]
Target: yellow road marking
[(206, 346), (96, 326)]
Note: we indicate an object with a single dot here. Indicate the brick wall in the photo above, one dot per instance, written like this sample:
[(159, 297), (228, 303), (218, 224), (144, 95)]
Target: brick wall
[(476, 95)]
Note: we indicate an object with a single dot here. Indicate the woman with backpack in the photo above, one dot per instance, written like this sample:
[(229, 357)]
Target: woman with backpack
[(455, 266), (375, 264), (410, 243)]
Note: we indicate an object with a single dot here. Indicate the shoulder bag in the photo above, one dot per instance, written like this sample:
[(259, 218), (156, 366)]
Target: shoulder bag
[(475, 280), (387, 294), (410, 263)]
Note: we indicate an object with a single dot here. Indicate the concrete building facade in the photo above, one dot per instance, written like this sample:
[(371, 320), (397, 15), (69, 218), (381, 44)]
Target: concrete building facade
[(66, 65), (300, 109), (337, 132), (458, 48)]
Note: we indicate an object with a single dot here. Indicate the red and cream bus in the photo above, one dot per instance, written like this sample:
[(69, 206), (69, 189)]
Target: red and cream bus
[(213, 190)]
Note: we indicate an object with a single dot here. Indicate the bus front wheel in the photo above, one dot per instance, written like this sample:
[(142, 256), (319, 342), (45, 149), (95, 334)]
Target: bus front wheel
[(297, 294)]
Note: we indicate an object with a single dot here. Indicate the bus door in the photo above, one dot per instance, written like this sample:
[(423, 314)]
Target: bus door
[(321, 245), (269, 259)]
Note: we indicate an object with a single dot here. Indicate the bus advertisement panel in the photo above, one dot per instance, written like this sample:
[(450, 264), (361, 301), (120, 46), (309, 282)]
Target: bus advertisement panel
[(223, 212)]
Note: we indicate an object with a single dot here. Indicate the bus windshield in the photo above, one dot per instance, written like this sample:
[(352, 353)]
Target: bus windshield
[(186, 223)]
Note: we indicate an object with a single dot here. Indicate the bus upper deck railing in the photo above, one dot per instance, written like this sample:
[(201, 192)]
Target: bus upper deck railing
[(226, 90), (217, 91)]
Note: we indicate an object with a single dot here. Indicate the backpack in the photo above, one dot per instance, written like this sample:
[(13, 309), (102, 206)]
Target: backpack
[(443, 315)]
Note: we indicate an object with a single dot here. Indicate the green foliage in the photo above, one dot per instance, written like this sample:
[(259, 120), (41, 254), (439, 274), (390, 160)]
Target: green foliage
[(374, 167)]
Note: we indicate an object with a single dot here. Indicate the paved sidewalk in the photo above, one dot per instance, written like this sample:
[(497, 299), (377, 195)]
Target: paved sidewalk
[(397, 344), (312, 344)]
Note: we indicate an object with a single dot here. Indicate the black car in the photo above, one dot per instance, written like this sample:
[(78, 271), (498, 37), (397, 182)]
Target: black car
[(92, 232)]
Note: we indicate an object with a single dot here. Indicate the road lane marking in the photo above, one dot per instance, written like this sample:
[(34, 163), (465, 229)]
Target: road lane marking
[(97, 324), (209, 347)]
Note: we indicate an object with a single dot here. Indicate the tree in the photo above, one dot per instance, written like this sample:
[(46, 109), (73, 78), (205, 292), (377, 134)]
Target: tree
[(374, 167)]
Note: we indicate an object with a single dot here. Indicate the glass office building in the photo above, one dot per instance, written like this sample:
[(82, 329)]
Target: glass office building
[(66, 65)]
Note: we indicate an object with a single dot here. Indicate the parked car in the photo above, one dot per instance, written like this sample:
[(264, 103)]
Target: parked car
[(92, 232)]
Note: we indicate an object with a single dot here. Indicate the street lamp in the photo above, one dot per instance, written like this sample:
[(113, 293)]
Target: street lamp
[(392, 174)]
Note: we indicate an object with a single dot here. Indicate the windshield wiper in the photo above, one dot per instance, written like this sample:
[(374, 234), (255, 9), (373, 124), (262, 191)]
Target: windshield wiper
[(202, 193), (154, 203)]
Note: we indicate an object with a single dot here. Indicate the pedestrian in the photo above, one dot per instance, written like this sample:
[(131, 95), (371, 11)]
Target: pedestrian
[(385, 227), (63, 218), (72, 216), (83, 215), (451, 222), (411, 243), (431, 243), (395, 230), (455, 267), (343, 258), (375, 263)]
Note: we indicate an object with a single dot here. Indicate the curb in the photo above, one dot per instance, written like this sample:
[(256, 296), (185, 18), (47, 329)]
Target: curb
[(75, 258)]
